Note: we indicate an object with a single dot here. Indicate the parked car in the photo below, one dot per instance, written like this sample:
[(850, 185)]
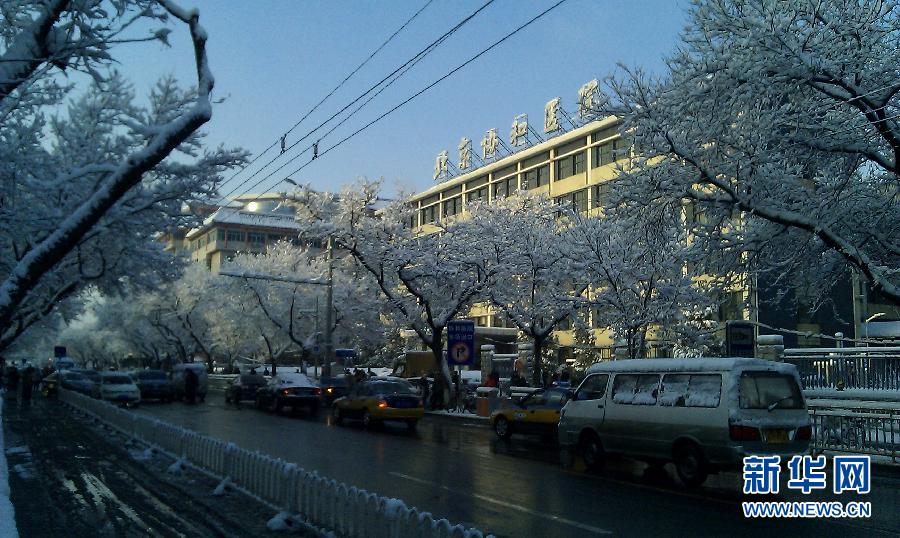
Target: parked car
[(154, 384), (178, 373), (289, 389), (92, 375), (75, 381), (379, 399), (49, 385), (334, 387), (702, 414), (119, 387), (536, 413), (244, 387)]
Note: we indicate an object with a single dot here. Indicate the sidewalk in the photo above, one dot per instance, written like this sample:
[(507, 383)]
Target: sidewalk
[(69, 478)]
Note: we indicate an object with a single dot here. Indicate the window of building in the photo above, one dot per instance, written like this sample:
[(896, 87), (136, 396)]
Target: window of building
[(569, 166), (274, 238), (451, 192), (695, 214), (565, 324), (477, 182), (411, 222), (220, 235), (452, 206), (576, 200), (604, 153), (235, 236), (536, 177), (506, 187), (603, 134), (571, 146), (431, 200), (502, 173), (478, 194), (256, 238), (429, 214), (600, 195)]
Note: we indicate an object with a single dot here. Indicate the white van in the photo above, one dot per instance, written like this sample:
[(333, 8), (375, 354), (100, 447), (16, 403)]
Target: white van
[(702, 414), (198, 368)]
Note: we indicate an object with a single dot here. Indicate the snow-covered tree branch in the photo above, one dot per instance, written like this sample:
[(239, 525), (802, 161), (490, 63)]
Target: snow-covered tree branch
[(779, 120), (81, 163)]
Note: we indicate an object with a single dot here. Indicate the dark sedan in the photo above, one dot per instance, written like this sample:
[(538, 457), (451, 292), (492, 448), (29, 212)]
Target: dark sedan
[(244, 387), (293, 390), (154, 384), (334, 387)]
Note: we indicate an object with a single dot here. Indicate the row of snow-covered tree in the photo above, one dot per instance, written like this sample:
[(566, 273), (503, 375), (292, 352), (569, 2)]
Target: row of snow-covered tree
[(537, 263)]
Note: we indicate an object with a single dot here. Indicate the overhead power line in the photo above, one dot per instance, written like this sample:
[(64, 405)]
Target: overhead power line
[(390, 77), (435, 83), (283, 137)]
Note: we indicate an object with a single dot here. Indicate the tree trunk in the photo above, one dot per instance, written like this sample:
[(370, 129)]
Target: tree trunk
[(537, 369), (442, 375)]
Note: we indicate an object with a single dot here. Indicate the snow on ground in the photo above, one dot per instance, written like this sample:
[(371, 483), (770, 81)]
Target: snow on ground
[(7, 513), (455, 414)]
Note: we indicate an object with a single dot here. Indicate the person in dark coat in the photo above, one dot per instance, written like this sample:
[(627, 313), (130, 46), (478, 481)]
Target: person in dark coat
[(12, 381), (190, 385), (423, 381), (27, 383)]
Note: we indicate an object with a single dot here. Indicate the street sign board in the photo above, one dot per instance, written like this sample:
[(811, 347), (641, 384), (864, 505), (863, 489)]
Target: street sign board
[(740, 339), (461, 343)]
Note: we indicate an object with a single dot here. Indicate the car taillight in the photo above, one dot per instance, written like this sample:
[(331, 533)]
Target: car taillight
[(804, 433), (382, 404), (743, 433), (286, 392), (317, 391)]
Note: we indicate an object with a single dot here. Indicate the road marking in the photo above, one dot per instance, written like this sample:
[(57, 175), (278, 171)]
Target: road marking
[(516, 507)]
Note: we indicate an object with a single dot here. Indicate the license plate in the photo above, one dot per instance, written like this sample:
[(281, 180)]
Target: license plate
[(776, 436)]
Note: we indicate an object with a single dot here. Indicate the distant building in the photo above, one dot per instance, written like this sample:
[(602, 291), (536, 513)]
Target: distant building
[(249, 223)]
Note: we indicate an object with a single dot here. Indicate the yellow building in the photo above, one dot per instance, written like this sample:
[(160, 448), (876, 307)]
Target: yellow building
[(573, 168)]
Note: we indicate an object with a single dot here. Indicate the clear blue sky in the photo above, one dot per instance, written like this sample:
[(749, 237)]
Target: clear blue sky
[(274, 59)]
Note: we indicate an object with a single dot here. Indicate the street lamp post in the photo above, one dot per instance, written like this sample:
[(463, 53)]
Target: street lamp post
[(866, 326)]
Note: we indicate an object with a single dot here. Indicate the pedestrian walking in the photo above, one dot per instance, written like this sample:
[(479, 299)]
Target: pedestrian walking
[(423, 381), (27, 383), (12, 382), (190, 385)]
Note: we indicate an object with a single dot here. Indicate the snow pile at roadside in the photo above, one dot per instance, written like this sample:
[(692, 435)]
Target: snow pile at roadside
[(7, 513)]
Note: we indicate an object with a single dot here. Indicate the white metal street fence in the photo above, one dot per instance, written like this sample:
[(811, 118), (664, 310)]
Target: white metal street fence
[(849, 367), (864, 429), (322, 504)]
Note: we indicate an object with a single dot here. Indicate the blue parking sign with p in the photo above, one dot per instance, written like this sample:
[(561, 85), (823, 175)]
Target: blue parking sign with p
[(461, 343)]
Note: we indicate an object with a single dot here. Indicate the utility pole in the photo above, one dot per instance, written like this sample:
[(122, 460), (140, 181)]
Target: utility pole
[(329, 311)]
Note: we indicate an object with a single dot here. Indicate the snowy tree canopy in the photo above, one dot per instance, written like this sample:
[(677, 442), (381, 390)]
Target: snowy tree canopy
[(86, 177), (777, 120), (426, 279), (292, 314), (534, 285), (640, 276)]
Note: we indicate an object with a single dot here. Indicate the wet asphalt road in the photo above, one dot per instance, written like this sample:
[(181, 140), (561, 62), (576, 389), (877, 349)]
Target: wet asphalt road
[(70, 478), (457, 469)]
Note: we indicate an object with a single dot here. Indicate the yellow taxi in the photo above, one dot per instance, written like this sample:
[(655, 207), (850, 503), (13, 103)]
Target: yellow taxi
[(537, 413), (378, 399)]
